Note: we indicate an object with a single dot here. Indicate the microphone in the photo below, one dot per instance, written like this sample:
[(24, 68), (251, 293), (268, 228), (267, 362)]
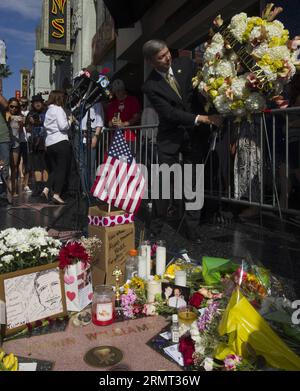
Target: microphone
[(100, 90)]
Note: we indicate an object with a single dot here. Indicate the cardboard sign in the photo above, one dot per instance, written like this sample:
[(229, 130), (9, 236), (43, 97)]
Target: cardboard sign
[(116, 243)]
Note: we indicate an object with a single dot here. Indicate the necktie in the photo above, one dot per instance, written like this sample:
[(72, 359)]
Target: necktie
[(173, 84)]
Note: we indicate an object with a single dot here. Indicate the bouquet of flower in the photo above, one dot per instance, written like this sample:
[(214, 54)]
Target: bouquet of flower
[(72, 253), (226, 80), (26, 248)]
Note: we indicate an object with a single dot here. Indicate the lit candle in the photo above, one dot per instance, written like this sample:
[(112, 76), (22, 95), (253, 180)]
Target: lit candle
[(180, 278), (154, 288), (142, 267), (186, 316), (161, 255), (146, 253)]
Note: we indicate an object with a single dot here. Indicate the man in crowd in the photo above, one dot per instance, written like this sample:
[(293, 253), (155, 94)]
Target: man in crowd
[(123, 110), (170, 91)]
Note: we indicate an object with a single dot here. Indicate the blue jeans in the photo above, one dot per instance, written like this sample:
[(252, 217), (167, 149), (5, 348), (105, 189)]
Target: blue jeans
[(4, 157)]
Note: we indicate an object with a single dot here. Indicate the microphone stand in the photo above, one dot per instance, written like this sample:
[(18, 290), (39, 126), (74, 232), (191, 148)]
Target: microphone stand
[(89, 149)]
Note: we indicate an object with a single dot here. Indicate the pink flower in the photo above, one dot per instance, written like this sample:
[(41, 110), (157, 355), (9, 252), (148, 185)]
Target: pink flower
[(231, 361)]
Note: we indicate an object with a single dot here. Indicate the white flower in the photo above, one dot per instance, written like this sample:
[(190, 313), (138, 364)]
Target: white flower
[(218, 39), (274, 29), (212, 51), (255, 102), (239, 86), (238, 25), (7, 258), (260, 50), (225, 69), (279, 53), (255, 33), (222, 104), (53, 251), (208, 364)]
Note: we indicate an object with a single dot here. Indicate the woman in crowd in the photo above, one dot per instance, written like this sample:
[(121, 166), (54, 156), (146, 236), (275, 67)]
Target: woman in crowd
[(58, 146), (15, 120), (34, 125)]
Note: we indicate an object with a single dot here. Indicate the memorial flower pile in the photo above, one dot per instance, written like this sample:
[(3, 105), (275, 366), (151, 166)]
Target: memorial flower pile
[(26, 248), (231, 86)]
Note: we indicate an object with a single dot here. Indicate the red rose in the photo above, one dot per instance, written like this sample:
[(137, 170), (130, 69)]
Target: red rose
[(187, 348), (196, 300)]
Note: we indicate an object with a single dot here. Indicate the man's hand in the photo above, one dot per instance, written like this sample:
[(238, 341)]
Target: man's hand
[(214, 119), (117, 122)]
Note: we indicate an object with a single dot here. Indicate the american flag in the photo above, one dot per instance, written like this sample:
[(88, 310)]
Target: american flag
[(119, 180)]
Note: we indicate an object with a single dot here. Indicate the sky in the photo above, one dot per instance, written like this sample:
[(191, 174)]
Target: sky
[(18, 21)]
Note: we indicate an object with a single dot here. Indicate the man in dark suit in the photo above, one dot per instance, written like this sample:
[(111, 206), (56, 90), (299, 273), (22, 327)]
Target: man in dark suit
[(170, 91)]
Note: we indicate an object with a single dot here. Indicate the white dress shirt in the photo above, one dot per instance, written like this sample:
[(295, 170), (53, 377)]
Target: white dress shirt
[(56, 125), (97, 117)]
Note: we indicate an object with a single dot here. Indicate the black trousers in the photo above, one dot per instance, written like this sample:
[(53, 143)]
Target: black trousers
[(59, 159), (160, 206)]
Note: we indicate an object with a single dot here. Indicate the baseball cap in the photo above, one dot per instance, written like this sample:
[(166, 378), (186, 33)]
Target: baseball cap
[(118, 85)]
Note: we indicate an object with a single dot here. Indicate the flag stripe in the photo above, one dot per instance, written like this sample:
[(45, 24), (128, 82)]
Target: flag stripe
[(120, 180)]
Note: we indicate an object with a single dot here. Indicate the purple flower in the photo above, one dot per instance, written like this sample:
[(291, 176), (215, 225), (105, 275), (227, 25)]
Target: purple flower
[(207, 316)]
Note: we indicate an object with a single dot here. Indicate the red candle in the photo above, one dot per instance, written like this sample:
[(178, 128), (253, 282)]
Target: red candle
[(103, 308)]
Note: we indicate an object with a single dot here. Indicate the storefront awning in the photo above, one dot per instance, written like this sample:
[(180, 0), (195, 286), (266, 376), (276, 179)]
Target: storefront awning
[(127, 12)]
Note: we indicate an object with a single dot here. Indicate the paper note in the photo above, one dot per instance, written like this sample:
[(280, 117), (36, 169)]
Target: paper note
[(28, 367), (2, 312), (174, 353)]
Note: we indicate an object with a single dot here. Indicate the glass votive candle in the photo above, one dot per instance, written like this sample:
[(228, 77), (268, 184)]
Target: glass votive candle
[(187, 315), (103, 306)]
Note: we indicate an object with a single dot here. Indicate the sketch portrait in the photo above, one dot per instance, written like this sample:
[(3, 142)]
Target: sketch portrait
[(32, 297)]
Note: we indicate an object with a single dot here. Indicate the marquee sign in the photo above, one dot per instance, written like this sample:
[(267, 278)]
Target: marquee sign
[(25, 79), (56, 27)]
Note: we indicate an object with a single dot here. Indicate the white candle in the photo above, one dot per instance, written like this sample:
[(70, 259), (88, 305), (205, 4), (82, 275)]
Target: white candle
[(180, 278), (146, 252), (142, 267), (161, 255), (154, 288)]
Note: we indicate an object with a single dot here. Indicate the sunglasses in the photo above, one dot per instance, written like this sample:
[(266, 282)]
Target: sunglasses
[(13, 107), (24, 104)]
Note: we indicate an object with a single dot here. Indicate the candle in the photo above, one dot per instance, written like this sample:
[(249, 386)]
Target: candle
[(180, 278), (187, 316), (103, 307), (161, 258), (146, 252), (142, 267), (154, 288)]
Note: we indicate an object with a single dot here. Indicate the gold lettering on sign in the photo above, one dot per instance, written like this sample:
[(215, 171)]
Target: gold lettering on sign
[(58, 5), (57, 24)]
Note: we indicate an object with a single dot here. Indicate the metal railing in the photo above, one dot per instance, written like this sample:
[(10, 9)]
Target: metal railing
[(253, 163)]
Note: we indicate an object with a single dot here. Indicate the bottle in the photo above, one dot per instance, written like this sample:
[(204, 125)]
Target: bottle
[(175, 329), (131, 267)]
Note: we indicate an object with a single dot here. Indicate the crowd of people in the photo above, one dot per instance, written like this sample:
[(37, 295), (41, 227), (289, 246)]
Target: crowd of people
[(35, 151)]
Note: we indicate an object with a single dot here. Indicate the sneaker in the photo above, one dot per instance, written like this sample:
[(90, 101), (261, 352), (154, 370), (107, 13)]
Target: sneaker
[(27, 189)]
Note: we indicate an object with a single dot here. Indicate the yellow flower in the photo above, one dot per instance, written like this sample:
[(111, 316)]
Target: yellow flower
[(157, 278), (171, 270), (213, 93)]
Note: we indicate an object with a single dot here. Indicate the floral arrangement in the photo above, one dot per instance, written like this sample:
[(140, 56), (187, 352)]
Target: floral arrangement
[(225, 81), (72, 253), (134, 301), (91, 245), (26, 248), (8, 362)]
